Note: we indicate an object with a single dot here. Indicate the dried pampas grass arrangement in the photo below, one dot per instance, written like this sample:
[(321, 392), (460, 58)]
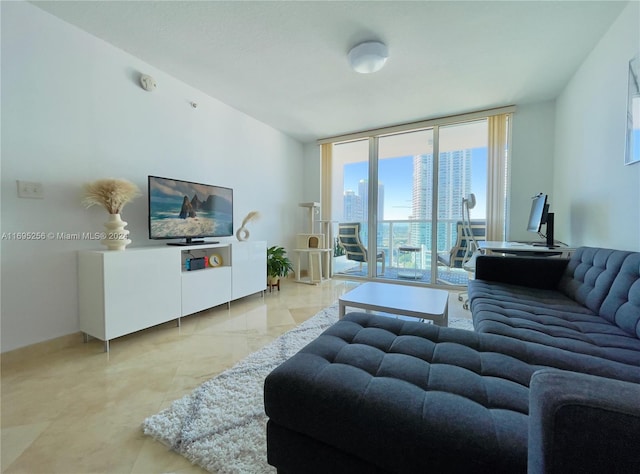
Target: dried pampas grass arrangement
[(252, 216), (112, 194)]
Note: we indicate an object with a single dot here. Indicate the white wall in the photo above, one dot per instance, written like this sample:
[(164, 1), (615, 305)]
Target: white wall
[(531, 163), (72, 112), (312, 172), (596, 195)]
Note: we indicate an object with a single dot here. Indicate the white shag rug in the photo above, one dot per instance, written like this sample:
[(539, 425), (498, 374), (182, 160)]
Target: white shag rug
[(221, 425)]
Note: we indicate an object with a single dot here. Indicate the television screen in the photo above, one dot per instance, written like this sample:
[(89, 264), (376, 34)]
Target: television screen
[(537, 216), (186, 210)]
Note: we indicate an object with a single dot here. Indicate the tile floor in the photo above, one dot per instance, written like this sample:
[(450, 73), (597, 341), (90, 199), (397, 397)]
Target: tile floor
[(68, 407)]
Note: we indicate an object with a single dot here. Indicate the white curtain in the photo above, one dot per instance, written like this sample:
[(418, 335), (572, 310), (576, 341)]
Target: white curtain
[(497, 176)]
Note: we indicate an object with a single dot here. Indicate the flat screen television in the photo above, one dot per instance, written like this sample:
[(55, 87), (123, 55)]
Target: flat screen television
[(540, 215), (187, 210)]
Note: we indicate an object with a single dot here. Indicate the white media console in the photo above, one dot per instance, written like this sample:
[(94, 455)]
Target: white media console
[(124, 292)]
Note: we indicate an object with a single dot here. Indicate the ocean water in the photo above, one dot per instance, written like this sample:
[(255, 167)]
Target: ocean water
[(165, 222)]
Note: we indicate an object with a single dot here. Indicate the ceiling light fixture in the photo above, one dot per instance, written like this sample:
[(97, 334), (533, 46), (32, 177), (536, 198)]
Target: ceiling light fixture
[(368, 57)]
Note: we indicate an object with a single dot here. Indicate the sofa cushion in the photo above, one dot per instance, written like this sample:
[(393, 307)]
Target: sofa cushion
[(590, 274), (622, 304), (550, 319), (523, 297)]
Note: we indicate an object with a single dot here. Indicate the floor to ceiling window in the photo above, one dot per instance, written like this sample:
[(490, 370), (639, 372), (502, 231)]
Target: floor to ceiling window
[(396, 198), (404, 189), (350, 207), (462, 171)]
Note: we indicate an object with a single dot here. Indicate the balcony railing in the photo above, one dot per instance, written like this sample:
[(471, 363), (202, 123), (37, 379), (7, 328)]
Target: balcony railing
[(393, 234)]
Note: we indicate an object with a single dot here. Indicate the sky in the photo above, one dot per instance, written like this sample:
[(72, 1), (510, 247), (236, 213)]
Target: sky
[(396, 176)]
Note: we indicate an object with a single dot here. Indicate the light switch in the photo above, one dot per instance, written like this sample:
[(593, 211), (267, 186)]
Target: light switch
[(30, 189)]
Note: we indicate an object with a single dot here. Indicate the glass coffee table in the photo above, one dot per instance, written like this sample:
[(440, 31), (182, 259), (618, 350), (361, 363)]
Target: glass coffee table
[(418, 302)]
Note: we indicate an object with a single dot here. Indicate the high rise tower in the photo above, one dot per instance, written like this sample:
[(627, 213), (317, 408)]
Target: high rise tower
[(454, 182), (352, 211), (363, 193)]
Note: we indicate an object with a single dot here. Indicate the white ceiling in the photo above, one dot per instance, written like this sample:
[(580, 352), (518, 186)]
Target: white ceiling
[(284, 63)]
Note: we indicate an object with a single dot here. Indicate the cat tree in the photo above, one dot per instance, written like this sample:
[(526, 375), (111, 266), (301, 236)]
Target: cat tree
[(315, 245)]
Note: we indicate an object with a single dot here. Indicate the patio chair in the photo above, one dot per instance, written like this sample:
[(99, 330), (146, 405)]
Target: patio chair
[(349, 240)]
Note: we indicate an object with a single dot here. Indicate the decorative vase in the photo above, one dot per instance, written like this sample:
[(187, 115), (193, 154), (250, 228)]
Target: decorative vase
[(242, 234), (116, 237)]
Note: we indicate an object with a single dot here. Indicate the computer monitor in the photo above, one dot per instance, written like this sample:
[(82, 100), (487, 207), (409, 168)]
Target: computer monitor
[(539, 209), (539, 215)]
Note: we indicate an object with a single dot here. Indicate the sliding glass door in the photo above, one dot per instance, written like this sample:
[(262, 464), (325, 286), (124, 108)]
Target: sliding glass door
[(399, 199), (350, 207), (405, 188), (462, 171)]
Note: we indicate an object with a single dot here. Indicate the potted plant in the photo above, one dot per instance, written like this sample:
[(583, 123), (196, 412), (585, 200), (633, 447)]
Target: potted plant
[(278, 265)]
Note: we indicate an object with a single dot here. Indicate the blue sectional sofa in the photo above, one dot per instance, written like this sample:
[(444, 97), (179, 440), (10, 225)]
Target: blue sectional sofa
[(589, 305), (549, 382)]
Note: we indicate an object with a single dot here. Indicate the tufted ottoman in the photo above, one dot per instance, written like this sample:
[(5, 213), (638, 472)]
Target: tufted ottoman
[(376, 394)]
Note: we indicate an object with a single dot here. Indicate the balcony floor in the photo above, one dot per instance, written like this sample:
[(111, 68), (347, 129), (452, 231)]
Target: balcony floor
[(446, 276)]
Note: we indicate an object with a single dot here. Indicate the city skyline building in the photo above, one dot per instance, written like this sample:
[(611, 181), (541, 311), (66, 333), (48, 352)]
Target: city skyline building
[(410, 181), (454, 182), (355, 206), (352, 206)]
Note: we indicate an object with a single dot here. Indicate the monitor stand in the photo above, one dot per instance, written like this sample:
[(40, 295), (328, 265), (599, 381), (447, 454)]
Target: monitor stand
[(544, 244), (550, 229), (550, 243)]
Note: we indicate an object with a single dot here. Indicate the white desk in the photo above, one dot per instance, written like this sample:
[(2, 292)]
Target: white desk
[(519, 247)]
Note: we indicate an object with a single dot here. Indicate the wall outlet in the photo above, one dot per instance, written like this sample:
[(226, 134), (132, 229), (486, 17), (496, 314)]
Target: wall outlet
[(30, 189)]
